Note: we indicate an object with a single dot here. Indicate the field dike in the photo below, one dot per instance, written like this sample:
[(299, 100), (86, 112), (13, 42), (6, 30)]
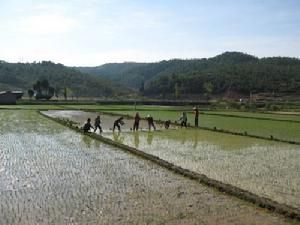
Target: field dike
[(262, 202), (250, 117)]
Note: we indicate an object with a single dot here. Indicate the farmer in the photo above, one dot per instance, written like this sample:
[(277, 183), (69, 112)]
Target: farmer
[(167, 124), (97, 124), (118, 123), (87, 126), (196, 111), (150, 122), (137, 119), (183, 119)]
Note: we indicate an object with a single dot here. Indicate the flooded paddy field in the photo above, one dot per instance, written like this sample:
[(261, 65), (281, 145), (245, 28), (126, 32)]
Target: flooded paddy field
[(266, 168), (126, 107), (284, 127), (32, 107), (286, 130), (52, 175), (289, 116)]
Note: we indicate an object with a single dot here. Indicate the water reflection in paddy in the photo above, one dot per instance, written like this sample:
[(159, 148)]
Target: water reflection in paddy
[(269, 169), (52, 175)]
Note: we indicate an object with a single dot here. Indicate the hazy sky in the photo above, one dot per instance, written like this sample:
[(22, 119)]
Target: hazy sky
[(93, 32)]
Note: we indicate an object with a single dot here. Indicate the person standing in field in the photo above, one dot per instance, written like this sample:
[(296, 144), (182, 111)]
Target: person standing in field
[(87, 126), (97, 124), (196, 111), (150, 122), (137, 119), (118, 123), (183, 119)]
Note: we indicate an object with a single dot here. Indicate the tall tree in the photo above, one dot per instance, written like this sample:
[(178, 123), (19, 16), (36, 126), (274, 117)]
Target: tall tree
[(30, 93)]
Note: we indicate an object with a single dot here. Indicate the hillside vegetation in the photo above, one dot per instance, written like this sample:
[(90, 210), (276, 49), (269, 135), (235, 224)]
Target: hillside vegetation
[(22, 76), (230, 71)]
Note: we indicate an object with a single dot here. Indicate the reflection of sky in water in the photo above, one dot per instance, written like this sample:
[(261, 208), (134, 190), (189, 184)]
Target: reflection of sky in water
[(267, 168)]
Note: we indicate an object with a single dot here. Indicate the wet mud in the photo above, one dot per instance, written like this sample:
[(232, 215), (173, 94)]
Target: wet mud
[(267, 169), (52, 175)]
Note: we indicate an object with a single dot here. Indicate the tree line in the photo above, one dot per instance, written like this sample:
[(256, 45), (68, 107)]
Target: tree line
[(230, 71), (38, 77)]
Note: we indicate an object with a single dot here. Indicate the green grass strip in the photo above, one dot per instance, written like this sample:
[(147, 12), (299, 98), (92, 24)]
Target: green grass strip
[(250, 117)]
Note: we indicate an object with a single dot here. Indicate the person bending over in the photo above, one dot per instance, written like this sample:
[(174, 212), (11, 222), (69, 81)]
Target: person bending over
[(118, 123), (87, 126)]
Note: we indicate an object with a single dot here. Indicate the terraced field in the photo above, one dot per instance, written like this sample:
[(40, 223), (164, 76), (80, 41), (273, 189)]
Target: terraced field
[(52, 175), (266, 168)]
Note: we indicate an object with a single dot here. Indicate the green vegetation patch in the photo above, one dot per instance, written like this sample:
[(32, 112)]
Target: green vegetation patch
[(273, 116)]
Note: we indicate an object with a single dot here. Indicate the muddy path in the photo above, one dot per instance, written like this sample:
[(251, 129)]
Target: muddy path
[(52, 175)]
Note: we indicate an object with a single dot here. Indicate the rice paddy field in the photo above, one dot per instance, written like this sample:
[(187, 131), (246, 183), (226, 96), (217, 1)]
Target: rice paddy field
[(267, 168), (31, 107), (50, 174), (284, 116), (281, 126)]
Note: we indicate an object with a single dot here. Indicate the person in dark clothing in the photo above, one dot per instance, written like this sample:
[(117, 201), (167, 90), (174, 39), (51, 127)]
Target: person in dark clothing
[(183, 119), (118, 123), (196, 111), (167, 124), (97, 124), (150, 122), (87, 126), (137, 119)]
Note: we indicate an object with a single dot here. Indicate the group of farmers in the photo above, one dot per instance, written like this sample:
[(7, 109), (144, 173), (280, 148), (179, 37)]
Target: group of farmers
[(119, 122)]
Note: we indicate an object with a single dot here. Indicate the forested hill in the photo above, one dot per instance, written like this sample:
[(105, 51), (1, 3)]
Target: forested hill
[(22, 76), (230, 71)]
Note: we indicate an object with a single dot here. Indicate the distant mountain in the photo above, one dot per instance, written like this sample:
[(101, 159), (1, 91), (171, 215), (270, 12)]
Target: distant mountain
[(111, 70), (123, 73), (133, 74), (230, 71), (22, 76)]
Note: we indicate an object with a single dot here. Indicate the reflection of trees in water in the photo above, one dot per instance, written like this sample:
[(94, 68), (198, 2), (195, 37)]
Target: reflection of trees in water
[(150, 137), (136, 139)]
